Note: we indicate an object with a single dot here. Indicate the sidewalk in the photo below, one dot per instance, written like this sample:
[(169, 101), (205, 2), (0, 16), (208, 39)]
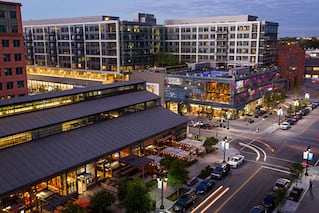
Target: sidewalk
[(309, 198), (194, 170)]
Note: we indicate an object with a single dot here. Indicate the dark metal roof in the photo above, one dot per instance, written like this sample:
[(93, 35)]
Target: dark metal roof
[(33, 120), (136, 161), (38, 160), (44, 96)]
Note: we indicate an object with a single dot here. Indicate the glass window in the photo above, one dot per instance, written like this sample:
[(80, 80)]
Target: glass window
[(16, 43), (6, 57), (2, 14), (8, 71), (13, 14), (10, 85), (0, 86), (17, 57), (5, 43), (20, 84), (2, 28), (19, 70)]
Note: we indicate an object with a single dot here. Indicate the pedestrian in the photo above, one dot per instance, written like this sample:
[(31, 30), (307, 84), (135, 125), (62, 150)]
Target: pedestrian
[(310, 185)]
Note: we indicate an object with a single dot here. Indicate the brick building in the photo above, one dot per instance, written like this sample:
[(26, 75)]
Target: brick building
[(13, 77), (291, 60)]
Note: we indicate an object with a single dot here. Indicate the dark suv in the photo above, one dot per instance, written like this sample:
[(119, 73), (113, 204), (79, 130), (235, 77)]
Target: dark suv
[(220, 171), (184, 202)]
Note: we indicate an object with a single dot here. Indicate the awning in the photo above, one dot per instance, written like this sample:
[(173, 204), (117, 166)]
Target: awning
[(136, 161)]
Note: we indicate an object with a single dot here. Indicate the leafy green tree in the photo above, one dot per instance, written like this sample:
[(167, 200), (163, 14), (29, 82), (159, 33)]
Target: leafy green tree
[(280, 196), (138, 198), (177, 173), (210, 143), (101, 201), (290, 110), (295, 171), (166, 162), (122, 187), (164, 59), (71, 207)]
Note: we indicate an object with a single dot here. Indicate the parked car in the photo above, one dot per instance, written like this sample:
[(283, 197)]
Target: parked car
[(285, 125), (236, 161), (281, 183), (204, 186), (192, 181), (191, 123), (220, 171), (291, 121), (258, 209), (198, 123), (206, 126), (269, 200), (184, 202)]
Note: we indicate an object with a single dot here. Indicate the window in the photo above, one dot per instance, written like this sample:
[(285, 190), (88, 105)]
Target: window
[(16, 43), (17, 57), (0, 86), (19, 70), (2, 14), (10, 85), (5, 43), (20, 84), (8, 71), (2, 28), (13, 14), (6, 57)]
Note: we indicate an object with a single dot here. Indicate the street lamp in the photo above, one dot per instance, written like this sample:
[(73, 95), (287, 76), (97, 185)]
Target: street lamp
[(228, 117), (279, 113), (225, 146), (308, 156), (296, 104), (160, 181)]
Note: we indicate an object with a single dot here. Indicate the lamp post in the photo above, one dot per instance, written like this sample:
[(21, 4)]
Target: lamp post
[(225, 146), (228, 117), (296, 104), (279, 113), (308, 156), (162, 178)]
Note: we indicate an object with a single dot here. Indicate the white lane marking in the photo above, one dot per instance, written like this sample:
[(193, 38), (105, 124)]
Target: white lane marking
[(252, 148)]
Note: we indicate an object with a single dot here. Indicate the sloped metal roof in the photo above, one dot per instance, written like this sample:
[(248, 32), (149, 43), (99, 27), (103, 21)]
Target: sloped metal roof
[(32, 162), (33, 120)]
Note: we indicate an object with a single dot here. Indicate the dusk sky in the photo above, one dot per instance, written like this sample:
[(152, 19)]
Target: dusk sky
[(296, 18)]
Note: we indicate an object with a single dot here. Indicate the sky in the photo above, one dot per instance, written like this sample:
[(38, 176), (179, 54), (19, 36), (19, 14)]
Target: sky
[(296, 18)]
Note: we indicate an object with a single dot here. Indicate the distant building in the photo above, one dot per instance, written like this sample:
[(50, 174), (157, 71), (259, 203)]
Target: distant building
[(13, 77), (99, 48), (312, 70), (291, 60), (224, 41), (222, 93)]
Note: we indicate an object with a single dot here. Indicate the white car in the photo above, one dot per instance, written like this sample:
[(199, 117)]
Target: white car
[(281, 183), (236, 161), (285, 125)]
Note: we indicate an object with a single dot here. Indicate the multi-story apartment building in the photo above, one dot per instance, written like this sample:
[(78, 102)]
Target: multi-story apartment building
[(100, 48), (225, 41), (13, 77), (57, 145)]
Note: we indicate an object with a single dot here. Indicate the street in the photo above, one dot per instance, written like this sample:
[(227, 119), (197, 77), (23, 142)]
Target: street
[(269, 155)]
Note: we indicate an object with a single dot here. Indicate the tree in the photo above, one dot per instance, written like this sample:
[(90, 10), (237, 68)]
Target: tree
[(295, 171), (177, 173), (138, 198), (101, 201), (290, 110), (71, 207), (122, 187), (166, 162), (209, 143)]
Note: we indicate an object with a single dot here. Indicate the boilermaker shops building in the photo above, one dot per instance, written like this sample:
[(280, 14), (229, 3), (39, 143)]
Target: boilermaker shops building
[(62, 143)]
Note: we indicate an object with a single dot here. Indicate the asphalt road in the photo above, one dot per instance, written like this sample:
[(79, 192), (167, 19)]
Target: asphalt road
[(277, 150)]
